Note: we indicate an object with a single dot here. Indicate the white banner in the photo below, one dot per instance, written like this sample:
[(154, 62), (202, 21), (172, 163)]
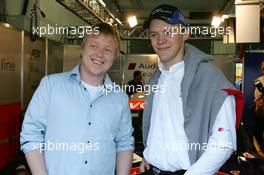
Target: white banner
[(146, 63)]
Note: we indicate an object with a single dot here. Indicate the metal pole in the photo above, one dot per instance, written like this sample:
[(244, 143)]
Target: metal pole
[(22, 71), (46, 55)]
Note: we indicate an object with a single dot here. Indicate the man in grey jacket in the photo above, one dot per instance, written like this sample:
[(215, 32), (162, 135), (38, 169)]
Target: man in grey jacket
[(189, 126)]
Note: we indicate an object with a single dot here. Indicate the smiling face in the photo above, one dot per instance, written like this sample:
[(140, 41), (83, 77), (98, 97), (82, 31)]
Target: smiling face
[(98, 54), (170, 49)]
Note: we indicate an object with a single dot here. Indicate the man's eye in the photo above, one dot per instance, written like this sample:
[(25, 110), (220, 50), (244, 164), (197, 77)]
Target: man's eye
[(153, 35), (109, 50), (92, 46), (167, 33)]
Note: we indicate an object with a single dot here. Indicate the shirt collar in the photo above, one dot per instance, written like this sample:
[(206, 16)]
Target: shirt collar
[(172, 68), (75, 73), (107, 83)]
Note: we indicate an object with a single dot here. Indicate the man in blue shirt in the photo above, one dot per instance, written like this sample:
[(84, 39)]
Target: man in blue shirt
[(76, 122)]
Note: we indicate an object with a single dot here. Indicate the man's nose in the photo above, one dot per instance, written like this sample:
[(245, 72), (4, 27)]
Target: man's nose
[(161, 38), (100, 52)]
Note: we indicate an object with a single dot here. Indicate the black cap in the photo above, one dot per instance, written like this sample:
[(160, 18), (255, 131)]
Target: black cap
[(167, 13)]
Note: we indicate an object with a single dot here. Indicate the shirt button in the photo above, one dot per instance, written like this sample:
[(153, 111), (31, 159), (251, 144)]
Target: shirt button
[(84, 89), (88, 141), (89, 123), (86, 162), (91, 105)]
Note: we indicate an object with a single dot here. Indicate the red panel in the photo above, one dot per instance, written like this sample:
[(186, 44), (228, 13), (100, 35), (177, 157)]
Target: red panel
[(134, 171), (136, 104), (10, 117), (219, 173)]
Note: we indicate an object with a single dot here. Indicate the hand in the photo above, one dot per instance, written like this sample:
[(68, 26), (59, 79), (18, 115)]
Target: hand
[(144, 166)]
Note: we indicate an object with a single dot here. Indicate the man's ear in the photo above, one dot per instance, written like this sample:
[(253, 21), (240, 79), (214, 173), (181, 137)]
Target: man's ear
[(81, 54), (185, 36)]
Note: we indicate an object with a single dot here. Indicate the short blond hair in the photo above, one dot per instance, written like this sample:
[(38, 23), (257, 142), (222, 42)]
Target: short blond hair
[(106, 29)]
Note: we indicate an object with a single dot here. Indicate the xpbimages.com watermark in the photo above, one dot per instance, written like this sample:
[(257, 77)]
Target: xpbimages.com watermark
[(147, 89), (65, 146), (197, 31), (80, 31), (182, 146)]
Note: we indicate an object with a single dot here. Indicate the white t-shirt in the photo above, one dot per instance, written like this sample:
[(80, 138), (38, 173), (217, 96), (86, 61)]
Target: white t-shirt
[(92, 90)]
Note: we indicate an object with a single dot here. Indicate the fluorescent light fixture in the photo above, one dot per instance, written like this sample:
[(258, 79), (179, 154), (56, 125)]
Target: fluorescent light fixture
[(6, 25), (110, 21), (224, 17), (216, 21), (132, 21), (118, 21), (102, 2)]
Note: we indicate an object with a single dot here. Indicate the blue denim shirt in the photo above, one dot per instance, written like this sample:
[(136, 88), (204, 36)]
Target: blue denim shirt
[(78, 135)]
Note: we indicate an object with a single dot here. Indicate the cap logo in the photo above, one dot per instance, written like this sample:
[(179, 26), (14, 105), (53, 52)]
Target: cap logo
[(176, 17), (160, 10)]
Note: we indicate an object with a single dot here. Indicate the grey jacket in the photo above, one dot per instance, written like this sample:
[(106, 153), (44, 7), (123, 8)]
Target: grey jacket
[(202, 98)]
